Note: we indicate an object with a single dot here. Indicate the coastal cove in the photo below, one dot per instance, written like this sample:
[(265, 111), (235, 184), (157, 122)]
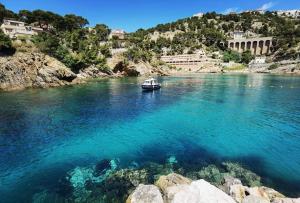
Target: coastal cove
[(200, 119)]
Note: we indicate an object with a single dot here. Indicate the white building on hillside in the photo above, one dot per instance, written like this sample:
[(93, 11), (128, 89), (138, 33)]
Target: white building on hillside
[(14, 29), (119, 33), (238, 35), (258, 60), (289, 13), (199, 15)]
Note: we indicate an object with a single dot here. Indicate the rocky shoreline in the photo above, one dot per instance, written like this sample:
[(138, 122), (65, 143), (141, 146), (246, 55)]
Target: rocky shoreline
[(37, 70), (169, 182), (175, 188)]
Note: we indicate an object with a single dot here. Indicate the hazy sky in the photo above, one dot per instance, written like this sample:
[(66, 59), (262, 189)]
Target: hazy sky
[(133, 14)]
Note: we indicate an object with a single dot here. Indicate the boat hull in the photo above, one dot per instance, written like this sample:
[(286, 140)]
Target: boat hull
[(151, 87)]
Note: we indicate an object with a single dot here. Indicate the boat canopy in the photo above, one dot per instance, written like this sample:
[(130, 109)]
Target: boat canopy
[(151, 80)]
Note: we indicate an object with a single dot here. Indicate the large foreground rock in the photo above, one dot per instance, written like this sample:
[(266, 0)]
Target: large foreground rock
[(24, 70), (145, 194), (254, 199), (198, 191)]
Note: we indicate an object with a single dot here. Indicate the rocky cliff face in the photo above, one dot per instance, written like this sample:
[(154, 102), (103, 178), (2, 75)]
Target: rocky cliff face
[(143, 69), (24, 70), (120, 68)]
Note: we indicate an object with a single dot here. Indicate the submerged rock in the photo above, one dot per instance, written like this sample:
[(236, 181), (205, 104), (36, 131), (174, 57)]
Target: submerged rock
[(212, 174), (84, 181), (172, 160), (135, 177), (46, 197), (230, 171), (156, 170), (246, 176), (118, 185), (145, 194), (78, 179), (80, 175), (133, 165), (102, 167)]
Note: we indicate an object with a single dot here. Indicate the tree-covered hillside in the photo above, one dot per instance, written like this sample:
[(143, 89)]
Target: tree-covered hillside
[(187, 35)]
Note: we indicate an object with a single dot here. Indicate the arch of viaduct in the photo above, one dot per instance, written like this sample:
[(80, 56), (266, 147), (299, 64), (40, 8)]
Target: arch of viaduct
[(257, 46)]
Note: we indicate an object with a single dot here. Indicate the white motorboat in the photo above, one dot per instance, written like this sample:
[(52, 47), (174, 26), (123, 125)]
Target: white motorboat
[(151, 84)]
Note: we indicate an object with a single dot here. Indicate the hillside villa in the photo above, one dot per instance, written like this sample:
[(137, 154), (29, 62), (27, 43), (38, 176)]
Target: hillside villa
[(119, 33), (14, 29)]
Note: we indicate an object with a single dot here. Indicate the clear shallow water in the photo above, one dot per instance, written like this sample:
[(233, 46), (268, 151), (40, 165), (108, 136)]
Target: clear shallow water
[(252, 119)]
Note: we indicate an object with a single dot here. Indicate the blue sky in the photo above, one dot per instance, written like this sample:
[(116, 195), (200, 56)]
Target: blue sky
[(133, 14)]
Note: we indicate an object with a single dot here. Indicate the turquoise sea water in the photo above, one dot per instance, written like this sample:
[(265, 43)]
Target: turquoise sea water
[(251, 119)]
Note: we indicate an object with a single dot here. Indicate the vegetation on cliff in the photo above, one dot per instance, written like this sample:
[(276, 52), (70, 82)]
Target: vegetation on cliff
[(5, 44), (65, 38)]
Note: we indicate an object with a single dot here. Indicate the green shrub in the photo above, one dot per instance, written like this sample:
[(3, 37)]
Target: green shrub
[(212, 174), (47, 43), (246, 57), (231, 56), (5, 44), (74, 54), (136, 55)]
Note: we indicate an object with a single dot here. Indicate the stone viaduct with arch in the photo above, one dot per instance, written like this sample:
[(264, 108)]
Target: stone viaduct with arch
[(257, 46)]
